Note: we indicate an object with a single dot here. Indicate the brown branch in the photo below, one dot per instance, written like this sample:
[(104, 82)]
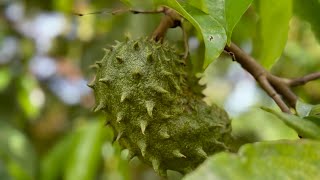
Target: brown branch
[(282, 87), (279, 89), (258, 72), (171, 20), (303, 80), (185, 42)]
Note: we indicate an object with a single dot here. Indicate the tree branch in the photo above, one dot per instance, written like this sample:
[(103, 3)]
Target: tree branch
[(282, 87), (303, 80), (279, 89), (258, 72)]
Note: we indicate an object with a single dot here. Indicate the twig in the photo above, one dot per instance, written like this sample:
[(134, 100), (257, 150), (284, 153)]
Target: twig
[(185, 42), (279, 89), (258, 72), (171, 20), (282, 87), (303, 80)]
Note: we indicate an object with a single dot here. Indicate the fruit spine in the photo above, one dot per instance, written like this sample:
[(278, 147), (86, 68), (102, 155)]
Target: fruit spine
[(153, 111)]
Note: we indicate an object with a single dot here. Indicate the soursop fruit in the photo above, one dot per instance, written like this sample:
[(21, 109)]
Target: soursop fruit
[(145, 89)]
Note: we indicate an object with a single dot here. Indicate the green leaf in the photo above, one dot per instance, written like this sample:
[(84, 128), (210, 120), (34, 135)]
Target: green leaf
[(84, 161), (126, 2), (234, 10), (274, 26), (262, 126), (303, 109), (215, 19), (5, 78), (28, 104), (63, 5), (17, 153), (200, 4), (4, 174), (211, 26), (315, 111), (54, 162), (309, 11), (139, 4), (293, 160), (307, 128)]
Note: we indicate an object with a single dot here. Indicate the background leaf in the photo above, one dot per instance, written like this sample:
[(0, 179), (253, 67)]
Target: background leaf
[(309, 11), (274, 26), (234, 10), (265, 160), (263, 125), (126, 2), (4, 174), (17, 154), (307, 128), (315, 111), (84, 161), (54, 162)]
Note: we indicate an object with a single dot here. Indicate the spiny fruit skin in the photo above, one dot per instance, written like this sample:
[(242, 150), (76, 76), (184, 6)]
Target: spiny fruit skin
[(143, 86)]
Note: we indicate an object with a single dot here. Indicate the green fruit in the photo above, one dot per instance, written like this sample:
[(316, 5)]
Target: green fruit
[(155, 114)]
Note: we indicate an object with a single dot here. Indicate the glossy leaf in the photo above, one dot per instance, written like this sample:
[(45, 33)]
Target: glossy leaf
[(234, 10), (215, 19), (307, 128), (293, 160), (274, 26), (211, 26)]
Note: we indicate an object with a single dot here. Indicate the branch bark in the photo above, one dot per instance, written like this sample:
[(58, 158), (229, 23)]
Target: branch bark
[(279, 89), (258, 72), (303, 80)]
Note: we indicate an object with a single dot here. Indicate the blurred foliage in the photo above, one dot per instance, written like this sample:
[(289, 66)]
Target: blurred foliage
[(306, 127), (47, 129), (273, 13)]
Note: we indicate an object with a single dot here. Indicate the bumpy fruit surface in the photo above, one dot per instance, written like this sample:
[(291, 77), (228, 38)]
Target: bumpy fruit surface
[(144, 88)]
